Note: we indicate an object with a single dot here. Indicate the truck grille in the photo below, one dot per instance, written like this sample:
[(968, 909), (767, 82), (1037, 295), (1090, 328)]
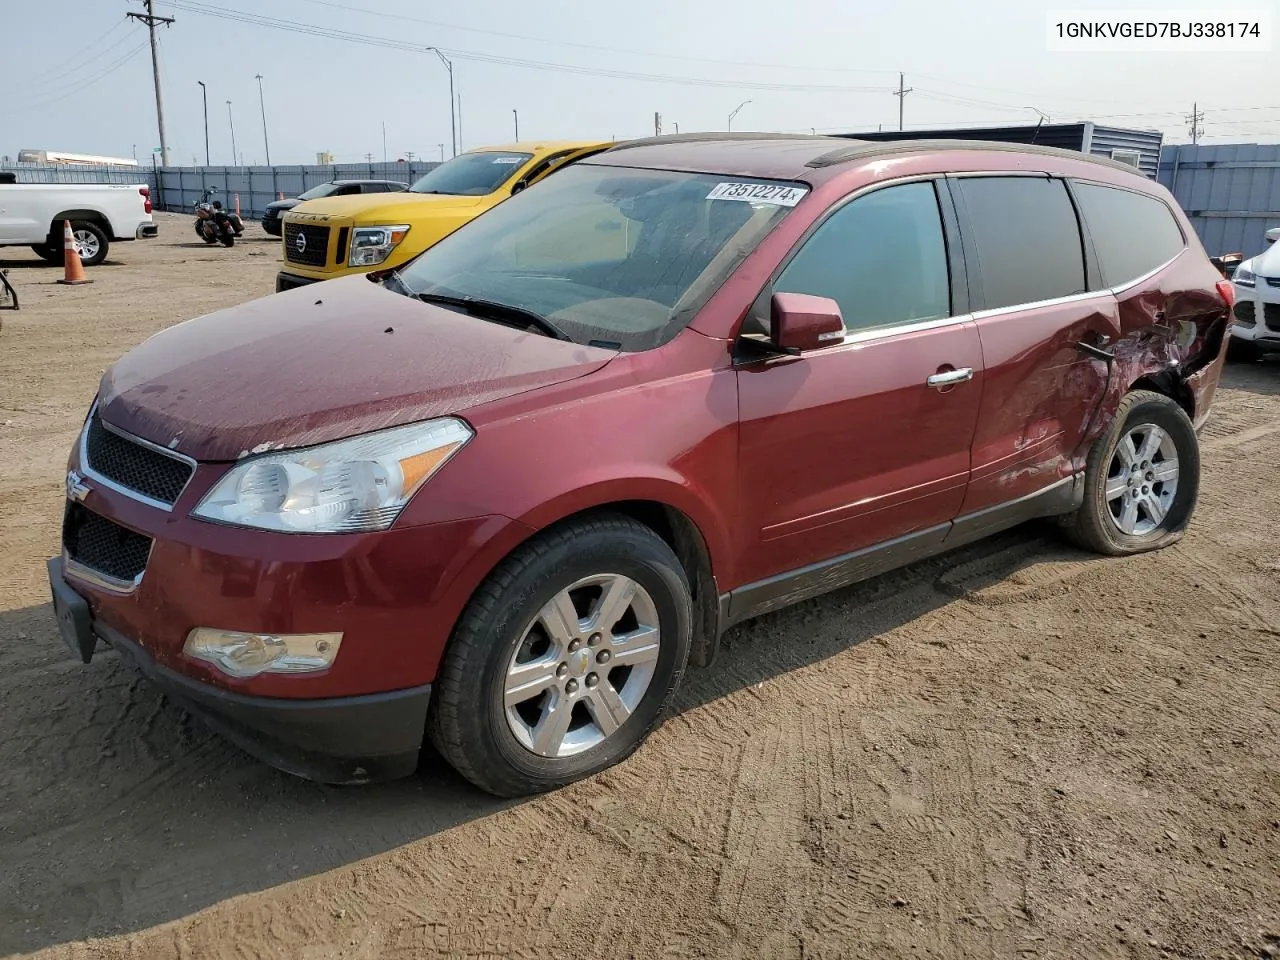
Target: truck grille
[(105, 547), (1272, 281), (133, 466), (314, 243)]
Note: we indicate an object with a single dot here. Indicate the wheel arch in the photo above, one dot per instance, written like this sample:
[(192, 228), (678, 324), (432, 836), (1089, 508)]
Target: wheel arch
[(686, 538), (85, 214), (1168, 383)]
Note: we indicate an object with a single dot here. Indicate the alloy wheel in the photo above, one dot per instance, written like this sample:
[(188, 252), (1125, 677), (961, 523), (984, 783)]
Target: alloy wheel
[(1142, 479), (582, 666)]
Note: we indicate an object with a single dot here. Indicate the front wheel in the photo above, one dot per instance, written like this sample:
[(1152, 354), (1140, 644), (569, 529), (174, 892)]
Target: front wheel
[(1141, 480), (565, 659)]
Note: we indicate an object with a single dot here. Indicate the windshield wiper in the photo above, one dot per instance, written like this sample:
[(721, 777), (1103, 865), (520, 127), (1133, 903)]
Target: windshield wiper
[(493, 310)]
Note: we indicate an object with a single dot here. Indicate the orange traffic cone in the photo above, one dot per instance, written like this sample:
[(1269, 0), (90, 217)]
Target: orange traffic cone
[(73, 269)]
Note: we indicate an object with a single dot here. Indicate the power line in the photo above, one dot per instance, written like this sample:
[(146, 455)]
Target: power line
[(65, 72), (78, 86)]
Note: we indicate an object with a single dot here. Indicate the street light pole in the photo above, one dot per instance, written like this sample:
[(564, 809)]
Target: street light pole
[(233, 134), (453, 116), (441, 146), (204, 93), (735, 112), (266, 144), (516, 117)]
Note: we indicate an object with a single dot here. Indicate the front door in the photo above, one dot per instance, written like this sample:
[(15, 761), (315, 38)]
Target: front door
[(849, 446)]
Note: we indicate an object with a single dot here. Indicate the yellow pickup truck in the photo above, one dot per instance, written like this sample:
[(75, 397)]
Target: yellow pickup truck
[(337, 236)]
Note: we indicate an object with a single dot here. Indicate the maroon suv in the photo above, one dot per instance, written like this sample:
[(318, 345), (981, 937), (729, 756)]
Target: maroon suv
[(500, 497)]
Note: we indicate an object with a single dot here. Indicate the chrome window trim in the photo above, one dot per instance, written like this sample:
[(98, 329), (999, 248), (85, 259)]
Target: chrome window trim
[(914, 326), (965, 174), (102, 581), (88, 471), (1041, 304)]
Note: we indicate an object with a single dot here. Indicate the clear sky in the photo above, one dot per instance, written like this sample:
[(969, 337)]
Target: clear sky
[(75, 75)]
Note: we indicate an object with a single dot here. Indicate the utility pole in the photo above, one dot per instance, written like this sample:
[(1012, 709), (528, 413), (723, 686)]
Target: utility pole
[(1194, 124), (516, 117), (150, 19), (384, 141), (368, 158), (455, 124), (266, 144), (408, 155), (657, 124), (234, 155), (441, 146), (677, 128), (204, 94), (901, 94)]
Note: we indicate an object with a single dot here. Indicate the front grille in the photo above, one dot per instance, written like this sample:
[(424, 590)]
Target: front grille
[(105, 547), (1271, 316), (340, 255), (133, 466), (1245, 315), (315, 244), (1272, 281)]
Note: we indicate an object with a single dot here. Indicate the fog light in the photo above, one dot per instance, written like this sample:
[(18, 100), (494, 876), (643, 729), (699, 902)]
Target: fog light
[(249, 654)]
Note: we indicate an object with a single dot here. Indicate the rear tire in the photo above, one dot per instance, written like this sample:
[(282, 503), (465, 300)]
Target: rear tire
[(91, 240), (536, 644), (1142, 479), (228, 239)]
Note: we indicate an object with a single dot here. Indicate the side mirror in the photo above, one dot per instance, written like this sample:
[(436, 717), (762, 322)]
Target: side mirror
[(1273, 235), (801, 321)]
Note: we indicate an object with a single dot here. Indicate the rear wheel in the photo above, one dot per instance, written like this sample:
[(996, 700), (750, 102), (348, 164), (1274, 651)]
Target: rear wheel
[(91, 241), (565, 659), (228, 239), (1141, 481)]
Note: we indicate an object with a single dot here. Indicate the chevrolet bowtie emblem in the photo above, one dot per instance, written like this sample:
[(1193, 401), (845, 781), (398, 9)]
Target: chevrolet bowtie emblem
[(76, 488)]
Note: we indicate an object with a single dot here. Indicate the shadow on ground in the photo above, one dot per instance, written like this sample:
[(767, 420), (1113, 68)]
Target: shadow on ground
[(118, 811)]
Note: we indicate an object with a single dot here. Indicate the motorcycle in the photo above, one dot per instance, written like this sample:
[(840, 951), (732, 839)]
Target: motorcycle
[(213, 224)]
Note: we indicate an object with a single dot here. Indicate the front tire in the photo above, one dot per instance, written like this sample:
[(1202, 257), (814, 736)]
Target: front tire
[(565, 659), (1142, 479)]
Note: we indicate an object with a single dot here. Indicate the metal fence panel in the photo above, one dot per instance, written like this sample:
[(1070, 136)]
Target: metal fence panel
[(178, 188), (1231, 192)]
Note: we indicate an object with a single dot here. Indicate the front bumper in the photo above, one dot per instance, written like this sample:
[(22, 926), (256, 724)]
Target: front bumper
[(273, 226), (147, 231), (288, 281), (1257, 315), (333, 740)]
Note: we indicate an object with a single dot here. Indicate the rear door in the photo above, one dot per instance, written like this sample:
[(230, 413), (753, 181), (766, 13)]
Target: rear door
[(1033, 305), (849, 446)]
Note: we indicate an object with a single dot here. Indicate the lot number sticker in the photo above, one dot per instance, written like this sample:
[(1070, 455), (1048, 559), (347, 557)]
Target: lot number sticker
[(774, 193)]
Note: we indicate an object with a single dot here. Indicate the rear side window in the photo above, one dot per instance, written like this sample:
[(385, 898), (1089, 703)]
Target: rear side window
[(1131, 232), (881, 257), (1027, 239)]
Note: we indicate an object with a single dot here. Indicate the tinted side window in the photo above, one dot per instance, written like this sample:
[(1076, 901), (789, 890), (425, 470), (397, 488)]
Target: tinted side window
[(1132, 233), (1027, 239), (347, 189), (882, 257)]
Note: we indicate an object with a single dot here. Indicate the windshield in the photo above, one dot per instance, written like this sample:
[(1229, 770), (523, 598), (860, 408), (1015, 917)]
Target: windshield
[(472, 174), (315, 193), (615, 255)]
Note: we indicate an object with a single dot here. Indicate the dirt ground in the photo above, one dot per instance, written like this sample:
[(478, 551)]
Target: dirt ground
[(1017, 750)]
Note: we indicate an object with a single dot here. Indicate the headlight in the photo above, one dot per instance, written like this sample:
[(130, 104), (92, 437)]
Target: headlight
[(1244, 277), (372, 245), (361, 483)]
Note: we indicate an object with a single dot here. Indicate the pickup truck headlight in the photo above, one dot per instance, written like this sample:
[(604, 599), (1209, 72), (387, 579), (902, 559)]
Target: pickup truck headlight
[(361, 483), (1244, 277), (372, 245)]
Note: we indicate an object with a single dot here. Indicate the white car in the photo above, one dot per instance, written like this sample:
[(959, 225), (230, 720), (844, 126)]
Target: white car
[(1256, 326), (32, 215)]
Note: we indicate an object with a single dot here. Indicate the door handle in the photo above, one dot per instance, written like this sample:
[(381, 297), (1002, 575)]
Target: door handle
[(950, 377)]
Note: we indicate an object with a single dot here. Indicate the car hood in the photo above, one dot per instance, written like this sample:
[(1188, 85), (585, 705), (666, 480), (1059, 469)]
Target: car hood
[(1267, 263), (283, 205), (388, 207), (321, 363)]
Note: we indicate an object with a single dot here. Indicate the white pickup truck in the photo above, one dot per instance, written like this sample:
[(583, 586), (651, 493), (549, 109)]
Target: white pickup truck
[(32, 214)]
